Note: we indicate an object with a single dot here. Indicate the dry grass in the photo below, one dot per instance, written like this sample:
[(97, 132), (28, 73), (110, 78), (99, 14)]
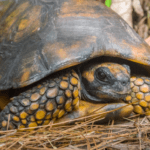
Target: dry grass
[(141, 24), (133, 133)]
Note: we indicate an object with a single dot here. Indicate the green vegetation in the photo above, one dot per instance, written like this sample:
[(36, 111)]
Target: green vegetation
[(108, 3)]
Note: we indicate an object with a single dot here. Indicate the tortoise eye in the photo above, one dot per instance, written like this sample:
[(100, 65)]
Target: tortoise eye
[(101, 76)]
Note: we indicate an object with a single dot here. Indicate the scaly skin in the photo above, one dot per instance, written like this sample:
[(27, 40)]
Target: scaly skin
[(140, 95), (50, 99)]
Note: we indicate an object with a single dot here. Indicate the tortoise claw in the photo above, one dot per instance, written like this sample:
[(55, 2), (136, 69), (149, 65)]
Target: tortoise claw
[(104, 112)]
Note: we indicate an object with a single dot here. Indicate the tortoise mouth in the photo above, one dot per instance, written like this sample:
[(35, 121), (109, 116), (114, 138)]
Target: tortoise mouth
[(108, 97), (120, 94)]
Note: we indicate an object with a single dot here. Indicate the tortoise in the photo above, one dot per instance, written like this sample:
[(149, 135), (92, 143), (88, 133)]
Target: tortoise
[(68, 58)]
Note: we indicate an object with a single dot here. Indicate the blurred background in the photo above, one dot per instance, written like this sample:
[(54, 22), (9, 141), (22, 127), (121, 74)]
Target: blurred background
[(135, 12)]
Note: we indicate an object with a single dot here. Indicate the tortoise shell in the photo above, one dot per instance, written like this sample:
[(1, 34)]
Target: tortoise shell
[(40, 37)]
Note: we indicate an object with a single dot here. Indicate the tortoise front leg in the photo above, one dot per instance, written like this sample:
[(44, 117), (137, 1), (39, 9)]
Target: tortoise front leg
[(140, 95), (49, 99)]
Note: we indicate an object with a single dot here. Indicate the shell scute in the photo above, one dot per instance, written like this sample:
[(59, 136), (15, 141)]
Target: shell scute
[(37, 39)]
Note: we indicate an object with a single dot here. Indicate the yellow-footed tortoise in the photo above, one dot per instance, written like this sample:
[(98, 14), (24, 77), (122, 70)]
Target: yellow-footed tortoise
[(60, 57)]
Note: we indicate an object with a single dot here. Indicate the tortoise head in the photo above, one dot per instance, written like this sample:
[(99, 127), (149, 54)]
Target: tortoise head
[(104, 82)]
